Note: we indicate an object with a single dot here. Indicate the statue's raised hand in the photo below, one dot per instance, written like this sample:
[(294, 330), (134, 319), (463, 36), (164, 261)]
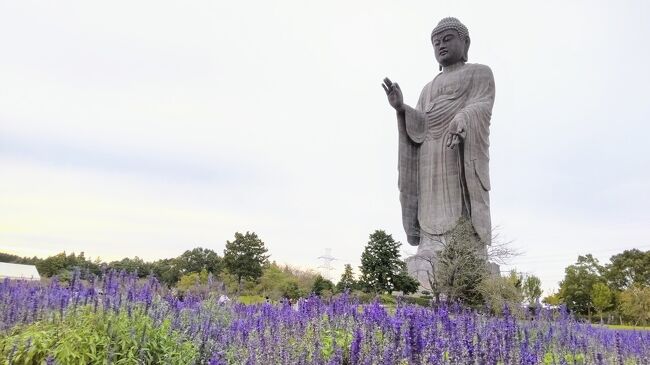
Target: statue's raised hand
[(395, 98)]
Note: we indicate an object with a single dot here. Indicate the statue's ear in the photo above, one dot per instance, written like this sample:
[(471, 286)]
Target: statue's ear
[(467, 42)]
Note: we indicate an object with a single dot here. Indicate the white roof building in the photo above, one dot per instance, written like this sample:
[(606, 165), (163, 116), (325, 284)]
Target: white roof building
[(18, 271)]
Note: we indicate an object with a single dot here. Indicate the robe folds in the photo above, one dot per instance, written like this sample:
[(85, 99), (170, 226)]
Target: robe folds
[(439, 185)]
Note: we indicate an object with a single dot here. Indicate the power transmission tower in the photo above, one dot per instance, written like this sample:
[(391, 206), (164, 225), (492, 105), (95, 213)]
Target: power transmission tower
[(327, 260)]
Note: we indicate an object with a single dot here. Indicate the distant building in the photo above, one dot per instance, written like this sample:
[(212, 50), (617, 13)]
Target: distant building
[(18, 272)]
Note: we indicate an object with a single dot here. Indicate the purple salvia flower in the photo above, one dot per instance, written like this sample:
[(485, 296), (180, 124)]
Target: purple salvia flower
[(355, 348)]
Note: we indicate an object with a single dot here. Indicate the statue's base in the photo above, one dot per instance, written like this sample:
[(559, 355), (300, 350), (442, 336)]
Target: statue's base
[(421, 265), (494, 268), (419, 269)]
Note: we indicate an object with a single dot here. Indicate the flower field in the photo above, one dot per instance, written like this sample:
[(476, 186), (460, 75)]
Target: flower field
[(121, 320)]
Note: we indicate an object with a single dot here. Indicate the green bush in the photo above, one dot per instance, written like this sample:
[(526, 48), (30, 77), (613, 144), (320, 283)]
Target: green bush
[(86, 337), (387, 299), (192, 282), (291, 290), (425, 302), (362, 297)]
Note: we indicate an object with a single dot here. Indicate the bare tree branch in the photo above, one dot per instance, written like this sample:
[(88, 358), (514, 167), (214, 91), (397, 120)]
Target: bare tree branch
[(461, 262)]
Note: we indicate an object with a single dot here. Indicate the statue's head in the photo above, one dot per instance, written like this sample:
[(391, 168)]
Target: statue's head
[(450, 39)]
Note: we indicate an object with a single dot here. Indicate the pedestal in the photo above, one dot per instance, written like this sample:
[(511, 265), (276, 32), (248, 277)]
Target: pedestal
[(420, 265)]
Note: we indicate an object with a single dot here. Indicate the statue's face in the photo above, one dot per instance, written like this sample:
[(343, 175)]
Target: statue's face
[(449, 47)]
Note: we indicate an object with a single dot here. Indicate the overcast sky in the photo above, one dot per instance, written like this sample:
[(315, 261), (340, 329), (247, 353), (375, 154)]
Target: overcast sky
[(133, 128)]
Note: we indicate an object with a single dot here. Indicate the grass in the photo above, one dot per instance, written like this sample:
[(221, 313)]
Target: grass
[(628, 327), (251, 299)]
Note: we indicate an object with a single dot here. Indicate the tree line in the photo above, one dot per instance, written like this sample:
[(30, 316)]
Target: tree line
[(460, 273), (244, 269), (617, 291)]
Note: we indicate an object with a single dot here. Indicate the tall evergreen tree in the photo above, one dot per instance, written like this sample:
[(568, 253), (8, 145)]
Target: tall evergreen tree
[(321, 284), (381, 268), (347, 281), (245, 257)]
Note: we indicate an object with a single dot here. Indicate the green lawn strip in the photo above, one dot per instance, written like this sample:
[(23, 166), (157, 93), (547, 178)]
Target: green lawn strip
[(627, 327)]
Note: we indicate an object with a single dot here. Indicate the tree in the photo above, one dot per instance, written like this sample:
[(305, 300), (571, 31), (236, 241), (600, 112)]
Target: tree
[(245, 257), (405, 283), (628, 268), (14, 259), (87, 267), (6, 257), (61, 264), (635, 304), (167, 271), (462, 264), (576, 287), (199, 259), (347, 281), (321, 284), (193, 282), (291, 290), (381, 264), (517, 280), (272, 281), (134, 265), (499, 291), (532, 288), (552, 300), (601, 297), (52, 265)]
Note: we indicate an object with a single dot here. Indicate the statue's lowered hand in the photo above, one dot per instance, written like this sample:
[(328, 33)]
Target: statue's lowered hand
[(457, 131), (394, 93)]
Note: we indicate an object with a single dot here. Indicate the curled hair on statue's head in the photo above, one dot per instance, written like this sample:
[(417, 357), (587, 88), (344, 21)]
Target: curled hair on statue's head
[(460, 28)]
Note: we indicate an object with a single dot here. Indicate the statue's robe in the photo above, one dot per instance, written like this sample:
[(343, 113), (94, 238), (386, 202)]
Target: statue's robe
[(439, 185)]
